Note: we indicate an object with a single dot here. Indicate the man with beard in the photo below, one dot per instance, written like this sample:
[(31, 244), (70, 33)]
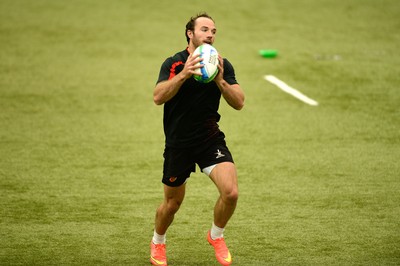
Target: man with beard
[(192, 136)]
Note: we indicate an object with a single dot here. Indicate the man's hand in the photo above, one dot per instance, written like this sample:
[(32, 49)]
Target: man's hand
[(220, 76), (191, 66)]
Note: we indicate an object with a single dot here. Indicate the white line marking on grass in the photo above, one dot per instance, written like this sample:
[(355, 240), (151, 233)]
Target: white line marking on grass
[(286, 88)]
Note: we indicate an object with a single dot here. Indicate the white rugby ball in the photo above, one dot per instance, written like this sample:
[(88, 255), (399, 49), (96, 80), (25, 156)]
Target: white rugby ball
[(209, 64)]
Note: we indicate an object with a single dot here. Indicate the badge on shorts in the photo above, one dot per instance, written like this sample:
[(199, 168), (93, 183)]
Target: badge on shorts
[(219, 154)]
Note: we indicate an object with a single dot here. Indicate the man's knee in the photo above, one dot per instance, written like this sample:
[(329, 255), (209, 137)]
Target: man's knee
[(173, 206), (173, 198), (231, 196)]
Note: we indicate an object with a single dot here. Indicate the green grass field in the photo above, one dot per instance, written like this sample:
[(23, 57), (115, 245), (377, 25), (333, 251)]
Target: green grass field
[(81, 140)]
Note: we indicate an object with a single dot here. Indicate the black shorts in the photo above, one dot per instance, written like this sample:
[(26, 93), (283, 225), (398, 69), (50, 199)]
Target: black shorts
[(179, 163)]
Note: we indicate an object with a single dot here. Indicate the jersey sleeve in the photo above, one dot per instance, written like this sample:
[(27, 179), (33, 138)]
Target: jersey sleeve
[(229, 73), (165, 70)]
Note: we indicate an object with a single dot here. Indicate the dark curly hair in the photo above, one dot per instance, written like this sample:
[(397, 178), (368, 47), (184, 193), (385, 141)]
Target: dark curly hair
[(192, 22)]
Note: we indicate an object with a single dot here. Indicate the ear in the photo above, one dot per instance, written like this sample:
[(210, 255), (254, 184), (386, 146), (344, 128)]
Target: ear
[(190, 34)]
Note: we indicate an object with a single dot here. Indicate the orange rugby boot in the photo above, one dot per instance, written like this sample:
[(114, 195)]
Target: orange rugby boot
[(221, 251), (158, 255)]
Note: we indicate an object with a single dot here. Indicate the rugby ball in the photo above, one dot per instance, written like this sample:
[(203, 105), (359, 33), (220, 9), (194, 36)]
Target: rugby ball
[(209, 64)]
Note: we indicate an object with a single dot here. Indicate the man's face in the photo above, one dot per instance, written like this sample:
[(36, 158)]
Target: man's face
[(204, 32)]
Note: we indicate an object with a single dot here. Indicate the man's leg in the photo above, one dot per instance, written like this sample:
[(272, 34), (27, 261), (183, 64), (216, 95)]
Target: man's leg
[(173, 197), (225, 178)]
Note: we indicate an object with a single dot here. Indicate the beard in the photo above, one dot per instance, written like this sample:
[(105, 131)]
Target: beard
[(197, 42)]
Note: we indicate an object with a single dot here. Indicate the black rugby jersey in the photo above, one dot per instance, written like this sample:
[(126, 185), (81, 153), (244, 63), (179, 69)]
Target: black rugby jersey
[(191, 117)]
